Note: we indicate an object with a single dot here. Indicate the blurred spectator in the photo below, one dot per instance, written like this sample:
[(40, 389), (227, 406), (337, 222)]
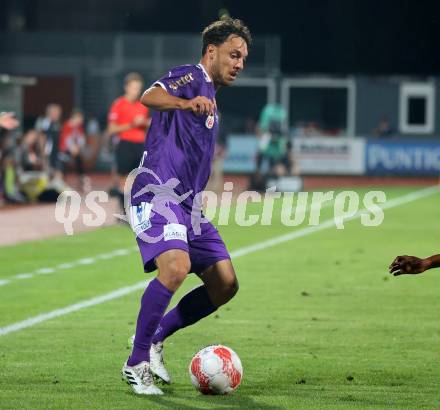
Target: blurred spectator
[(383, 129), (94, 140), (250, 126), (50, 126), (279, 154), (71, 148), (31, 154), (8, 121), (270, 123), (32, 175), (312, 129), (8, 163), (215, 182)]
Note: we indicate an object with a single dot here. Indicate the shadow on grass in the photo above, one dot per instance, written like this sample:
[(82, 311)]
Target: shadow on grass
[(175, 399), (229, 402)]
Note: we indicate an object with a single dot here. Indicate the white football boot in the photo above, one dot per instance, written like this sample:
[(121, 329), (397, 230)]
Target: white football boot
[(140, 379), (157, 365)]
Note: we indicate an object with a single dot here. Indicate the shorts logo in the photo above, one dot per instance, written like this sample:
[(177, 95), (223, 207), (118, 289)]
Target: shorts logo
[(209, 121), (140, 217), (174, 232)]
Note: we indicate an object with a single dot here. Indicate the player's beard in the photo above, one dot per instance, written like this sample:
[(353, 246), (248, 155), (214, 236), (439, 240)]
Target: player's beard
[(222, 80), (217, 75)]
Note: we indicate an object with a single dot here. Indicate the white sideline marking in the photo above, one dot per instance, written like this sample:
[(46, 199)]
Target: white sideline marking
[(24, 276), (90, 260), (62, 266), (14, 327), (72, 308), (44, 271), (66, 266)]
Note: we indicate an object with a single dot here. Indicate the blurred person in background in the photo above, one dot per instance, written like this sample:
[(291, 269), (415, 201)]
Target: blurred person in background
[(383, 128), (8, 121), (95, 138), (31, 151), (128, 119), (215, 182), (8, 162), (32, 172), (50, 127), (271, 121), (71, 148)]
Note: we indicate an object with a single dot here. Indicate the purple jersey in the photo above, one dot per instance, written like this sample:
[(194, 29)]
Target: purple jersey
[(180, 144)]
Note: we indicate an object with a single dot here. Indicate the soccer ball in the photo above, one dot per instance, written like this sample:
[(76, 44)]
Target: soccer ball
[(216, 369)]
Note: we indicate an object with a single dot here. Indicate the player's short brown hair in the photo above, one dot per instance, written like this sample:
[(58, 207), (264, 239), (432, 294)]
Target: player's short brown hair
[(218, 32), (133, 77)]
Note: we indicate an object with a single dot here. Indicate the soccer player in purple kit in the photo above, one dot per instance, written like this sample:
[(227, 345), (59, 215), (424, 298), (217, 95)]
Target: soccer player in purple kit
[(178, 151)]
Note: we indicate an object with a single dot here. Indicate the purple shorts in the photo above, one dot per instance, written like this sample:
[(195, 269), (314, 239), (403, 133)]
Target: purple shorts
[(156, 234)]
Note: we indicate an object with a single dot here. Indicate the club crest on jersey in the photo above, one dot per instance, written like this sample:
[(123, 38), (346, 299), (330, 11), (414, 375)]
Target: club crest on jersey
[(210, 121)]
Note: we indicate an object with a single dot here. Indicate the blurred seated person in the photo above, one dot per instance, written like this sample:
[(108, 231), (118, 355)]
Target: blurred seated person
[(32, 173), (383, 129), (312, 129), (8, 163), (31, 151), (49, 126), (71, 148)]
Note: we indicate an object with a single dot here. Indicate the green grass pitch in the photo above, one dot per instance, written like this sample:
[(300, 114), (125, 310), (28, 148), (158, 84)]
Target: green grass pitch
[(318, 323)]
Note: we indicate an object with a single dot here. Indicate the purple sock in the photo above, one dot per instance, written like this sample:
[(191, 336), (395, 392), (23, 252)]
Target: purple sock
[(194, 306), (154, 302)]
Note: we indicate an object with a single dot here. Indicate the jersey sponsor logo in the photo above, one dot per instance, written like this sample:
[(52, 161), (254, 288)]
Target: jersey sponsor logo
[(174, 232), (140, 217), (185, 79), (210, 121)]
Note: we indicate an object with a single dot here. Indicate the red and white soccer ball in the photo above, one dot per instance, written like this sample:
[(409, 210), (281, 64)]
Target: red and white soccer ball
[(216, 369)]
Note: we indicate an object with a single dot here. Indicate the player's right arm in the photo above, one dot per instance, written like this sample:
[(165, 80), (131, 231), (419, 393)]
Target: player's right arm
[(158, 99), (114, 128), (412, 265)]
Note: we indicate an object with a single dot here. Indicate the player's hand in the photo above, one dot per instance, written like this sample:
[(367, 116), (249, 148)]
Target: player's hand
[(410, 265), (200, 106)]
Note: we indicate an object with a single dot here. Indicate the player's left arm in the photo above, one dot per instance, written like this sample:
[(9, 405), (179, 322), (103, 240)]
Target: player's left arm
[(412, 265)]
